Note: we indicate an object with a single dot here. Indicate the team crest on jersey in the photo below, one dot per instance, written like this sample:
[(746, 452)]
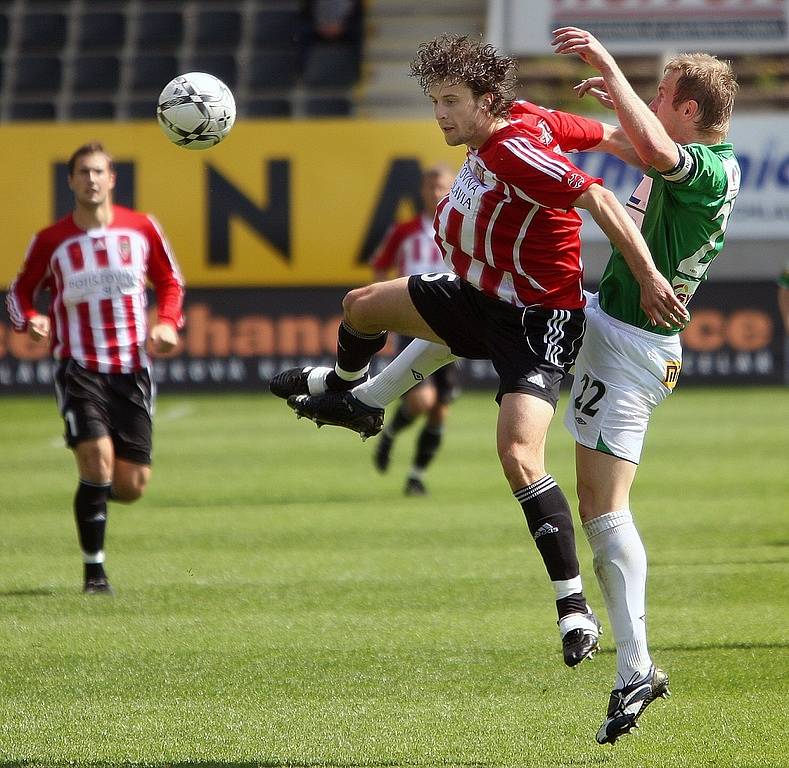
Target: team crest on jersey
[(546, 135), (682, 292), (673, 368), (575, 181)]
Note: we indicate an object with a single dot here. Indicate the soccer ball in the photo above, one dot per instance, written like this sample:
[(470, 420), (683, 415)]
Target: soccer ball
[(196, 110)]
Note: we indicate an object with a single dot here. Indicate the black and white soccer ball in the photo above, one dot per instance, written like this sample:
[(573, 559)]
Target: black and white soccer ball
[(196, 110)]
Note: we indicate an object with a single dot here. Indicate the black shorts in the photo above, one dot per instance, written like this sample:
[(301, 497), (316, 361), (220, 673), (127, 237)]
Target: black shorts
[(446, 379), (531, 348), (114, 404)]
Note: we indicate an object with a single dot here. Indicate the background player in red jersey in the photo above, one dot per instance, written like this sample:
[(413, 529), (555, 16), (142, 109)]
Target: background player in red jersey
[(95, 263), (410, 248), (512, 237)]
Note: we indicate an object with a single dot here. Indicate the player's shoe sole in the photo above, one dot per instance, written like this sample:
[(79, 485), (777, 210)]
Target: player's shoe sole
[(626, 705), (581, 642), (339, 409)]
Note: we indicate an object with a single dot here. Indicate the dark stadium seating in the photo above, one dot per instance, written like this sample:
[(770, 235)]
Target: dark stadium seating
[(96, 73), (330, 64), (38, 74), (218, 30), (32, 110), (153, 72), (277, 28), (92, 110), (3, 31), (43, 32), (327, 106), (221, 65), (110, 58), (101, 32), (160, 31), (273, 69), (269, 107)]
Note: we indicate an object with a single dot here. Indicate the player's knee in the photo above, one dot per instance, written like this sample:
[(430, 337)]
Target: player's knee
[(130, 488), (519, 465), (356, 304)]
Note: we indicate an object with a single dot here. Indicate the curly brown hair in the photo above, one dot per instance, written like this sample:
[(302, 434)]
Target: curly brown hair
[(460, 59)]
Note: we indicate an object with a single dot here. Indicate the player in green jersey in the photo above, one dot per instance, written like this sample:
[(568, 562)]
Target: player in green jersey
[(627, 365)]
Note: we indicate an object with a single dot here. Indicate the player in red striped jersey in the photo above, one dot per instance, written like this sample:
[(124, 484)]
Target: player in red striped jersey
[(511, 236), (95, 263), (410, 248)]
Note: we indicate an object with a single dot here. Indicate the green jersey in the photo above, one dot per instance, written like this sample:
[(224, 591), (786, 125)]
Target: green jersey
[(682, 215)]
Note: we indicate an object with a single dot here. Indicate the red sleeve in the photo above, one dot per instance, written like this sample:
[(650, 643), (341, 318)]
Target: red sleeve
[(541, 175), (385, 255), (571, 132), (165, 276), (22, 293)]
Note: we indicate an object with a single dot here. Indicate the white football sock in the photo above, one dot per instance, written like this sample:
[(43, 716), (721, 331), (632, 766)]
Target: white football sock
[(620, 564), (415, 363)]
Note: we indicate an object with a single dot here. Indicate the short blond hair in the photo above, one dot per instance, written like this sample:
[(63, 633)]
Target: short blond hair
[(708, 81)]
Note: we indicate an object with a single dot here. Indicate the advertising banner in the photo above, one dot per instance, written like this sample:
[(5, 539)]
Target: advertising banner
[(643, 26), (237, 339), (304, 203)]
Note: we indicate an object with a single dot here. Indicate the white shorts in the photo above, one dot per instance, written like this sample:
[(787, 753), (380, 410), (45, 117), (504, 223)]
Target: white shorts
[(621, 374)]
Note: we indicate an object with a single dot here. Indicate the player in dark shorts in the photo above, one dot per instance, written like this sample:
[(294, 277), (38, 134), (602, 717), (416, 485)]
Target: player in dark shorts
[(95, 263), (510, 233)]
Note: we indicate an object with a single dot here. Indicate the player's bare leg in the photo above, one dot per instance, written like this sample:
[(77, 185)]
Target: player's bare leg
[(522, 428), (129, 480), (620, 564)]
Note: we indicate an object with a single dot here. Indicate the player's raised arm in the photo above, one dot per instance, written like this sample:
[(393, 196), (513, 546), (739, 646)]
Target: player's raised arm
[(649, 138), (658, 301)]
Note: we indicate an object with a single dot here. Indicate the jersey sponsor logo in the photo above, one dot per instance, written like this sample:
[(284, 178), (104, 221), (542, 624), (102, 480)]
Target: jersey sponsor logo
[(467, 189), (672, 373), (575, 181), (104, 284)]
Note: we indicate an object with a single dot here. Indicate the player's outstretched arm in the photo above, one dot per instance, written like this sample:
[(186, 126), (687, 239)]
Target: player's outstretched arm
[(658, 300), (649, 138)]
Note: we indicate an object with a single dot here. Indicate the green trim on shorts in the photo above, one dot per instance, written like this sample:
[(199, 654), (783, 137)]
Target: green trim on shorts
[(601, 446)]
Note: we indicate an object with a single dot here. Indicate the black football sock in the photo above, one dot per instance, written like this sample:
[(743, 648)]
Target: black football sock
[(400, 421), (427, 445), (551, 524), (90, 511), (354, 352)]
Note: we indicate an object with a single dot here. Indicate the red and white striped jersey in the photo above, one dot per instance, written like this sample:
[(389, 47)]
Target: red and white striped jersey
[(508, 227), (97, 281), (410, 248)]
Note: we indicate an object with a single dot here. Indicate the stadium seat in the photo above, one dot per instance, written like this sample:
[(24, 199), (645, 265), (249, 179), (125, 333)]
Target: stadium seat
[(273, 69), (92, 110), (277, 28), (143, 109), (327, 106), (101, 32), (32, 110), (328, 64), (269, 107), (153, 72), (160, 31), (96, 73), (42, 32), (3, 31), (218, 30), (221, 65), (38, 74)]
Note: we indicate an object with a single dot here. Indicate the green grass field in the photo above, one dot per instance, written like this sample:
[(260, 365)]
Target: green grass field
[(279, 604)]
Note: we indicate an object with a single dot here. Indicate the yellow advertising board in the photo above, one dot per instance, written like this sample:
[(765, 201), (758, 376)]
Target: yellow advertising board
[(279, 203)]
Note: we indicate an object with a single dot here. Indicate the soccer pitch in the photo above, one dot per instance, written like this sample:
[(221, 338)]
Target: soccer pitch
[(278, 603)]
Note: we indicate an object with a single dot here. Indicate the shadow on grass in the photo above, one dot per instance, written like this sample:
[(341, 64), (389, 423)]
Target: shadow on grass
[(39, 592)]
